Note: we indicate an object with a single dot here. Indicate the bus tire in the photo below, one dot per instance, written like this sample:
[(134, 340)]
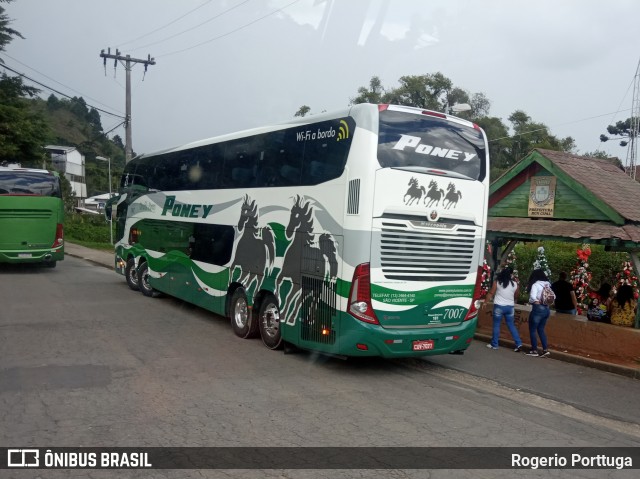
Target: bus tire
[(50, 264), (243, 322), (131, 274), (269, 322), (143, 281)]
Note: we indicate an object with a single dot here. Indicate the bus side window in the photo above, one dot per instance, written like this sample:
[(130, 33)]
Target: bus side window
[(212, 243), (290, 175), (211, 162), (240, 164)]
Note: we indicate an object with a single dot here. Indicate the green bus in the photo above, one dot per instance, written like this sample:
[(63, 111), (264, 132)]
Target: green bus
[(31, 216), (354, 233)]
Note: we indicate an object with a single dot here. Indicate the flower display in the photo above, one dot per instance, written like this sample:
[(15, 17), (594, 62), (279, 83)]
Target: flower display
[(541, 262), (580, 278), (511, 263), (485, 285), (627, 276)]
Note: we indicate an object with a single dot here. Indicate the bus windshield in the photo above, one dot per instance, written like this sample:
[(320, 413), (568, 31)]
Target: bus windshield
[(17, 182), (426, 143)]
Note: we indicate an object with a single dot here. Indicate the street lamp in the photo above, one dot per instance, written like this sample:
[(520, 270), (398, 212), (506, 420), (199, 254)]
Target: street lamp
[(108, 160)]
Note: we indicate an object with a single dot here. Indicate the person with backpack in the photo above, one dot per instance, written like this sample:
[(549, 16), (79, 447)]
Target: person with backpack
[(504, 293), (541, 296)]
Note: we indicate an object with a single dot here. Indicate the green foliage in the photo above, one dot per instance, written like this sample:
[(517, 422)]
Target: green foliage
[(22, 131), (561, 256), (624, 130), (74, 124), (303, 111), (68, 197), (7, 33), (437, 92), (88, 230)]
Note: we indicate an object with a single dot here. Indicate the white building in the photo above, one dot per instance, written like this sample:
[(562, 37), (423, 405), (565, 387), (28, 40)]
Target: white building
[(69, 161)]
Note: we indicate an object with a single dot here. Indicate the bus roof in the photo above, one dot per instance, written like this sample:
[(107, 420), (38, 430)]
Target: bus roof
[(27, 170), (307, 120)]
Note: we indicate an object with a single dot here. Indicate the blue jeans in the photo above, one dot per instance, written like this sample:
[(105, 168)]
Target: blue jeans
[(567, 311), (507, 312), (537, 322)]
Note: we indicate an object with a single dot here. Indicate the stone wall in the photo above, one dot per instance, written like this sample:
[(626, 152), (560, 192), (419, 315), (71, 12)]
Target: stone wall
[(573, 335)]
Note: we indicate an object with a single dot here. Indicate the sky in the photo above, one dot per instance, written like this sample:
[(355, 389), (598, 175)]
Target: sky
[(228, 65)]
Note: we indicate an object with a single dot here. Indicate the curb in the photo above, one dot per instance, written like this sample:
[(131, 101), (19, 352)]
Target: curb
[(575, 359)]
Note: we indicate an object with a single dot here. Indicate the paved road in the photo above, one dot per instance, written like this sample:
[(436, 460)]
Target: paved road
[(84, 361)]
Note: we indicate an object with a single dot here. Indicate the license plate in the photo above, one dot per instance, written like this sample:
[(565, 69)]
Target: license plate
[(423, 345), (25, 255)]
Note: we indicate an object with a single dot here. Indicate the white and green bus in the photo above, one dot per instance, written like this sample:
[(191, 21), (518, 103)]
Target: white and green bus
[(358, 233)]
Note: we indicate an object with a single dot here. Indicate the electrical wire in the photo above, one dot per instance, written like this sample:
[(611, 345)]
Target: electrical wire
[(55, 81), (555, 126), (228, 33), (164, 26), (192, 28), (2, 65)]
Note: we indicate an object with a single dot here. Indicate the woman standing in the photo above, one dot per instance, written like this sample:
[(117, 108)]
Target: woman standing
[(504, 292), (622, 309), (539, 312)]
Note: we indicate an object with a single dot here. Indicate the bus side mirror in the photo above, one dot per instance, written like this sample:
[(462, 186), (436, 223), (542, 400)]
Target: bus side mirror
[(108, 207)]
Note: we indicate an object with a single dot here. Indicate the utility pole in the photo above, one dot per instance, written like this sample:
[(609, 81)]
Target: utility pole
[(634, 130), (127, 62)]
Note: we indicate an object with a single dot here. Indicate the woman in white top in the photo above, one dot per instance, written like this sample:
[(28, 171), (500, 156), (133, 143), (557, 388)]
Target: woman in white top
[(539, 312), (504, 293)]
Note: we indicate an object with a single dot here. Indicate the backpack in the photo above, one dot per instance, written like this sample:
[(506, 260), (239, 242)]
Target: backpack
[(548, 296)]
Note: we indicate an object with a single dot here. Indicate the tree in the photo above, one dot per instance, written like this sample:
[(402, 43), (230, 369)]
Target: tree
[(480, 105), (303, 111), (374, 94), (22, 131), (623, 130), (7, 33), (529, 135), (500, 144)]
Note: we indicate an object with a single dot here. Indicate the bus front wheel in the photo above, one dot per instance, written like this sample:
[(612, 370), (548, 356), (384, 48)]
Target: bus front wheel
[(143, 281), (242, 321), (269, 322), (131, 274)]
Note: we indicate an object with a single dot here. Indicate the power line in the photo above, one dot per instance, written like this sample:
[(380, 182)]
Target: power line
[(127, 62), (55, 91), (192, 28), (165, 26), (555, 126), (55, 81), (228, 33)]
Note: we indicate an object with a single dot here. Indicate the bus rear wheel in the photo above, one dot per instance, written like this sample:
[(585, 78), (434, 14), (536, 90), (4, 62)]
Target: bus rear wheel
[(242, 321), (131, 274), (143, 281), (269, 322)]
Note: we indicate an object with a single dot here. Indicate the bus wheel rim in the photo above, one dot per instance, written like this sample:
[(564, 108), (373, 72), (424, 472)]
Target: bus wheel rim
[(241, 313), (133, 275), (271, 320)]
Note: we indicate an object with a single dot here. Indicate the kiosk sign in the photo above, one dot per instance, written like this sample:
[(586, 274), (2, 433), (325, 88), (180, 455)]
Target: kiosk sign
[(542, 196)]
